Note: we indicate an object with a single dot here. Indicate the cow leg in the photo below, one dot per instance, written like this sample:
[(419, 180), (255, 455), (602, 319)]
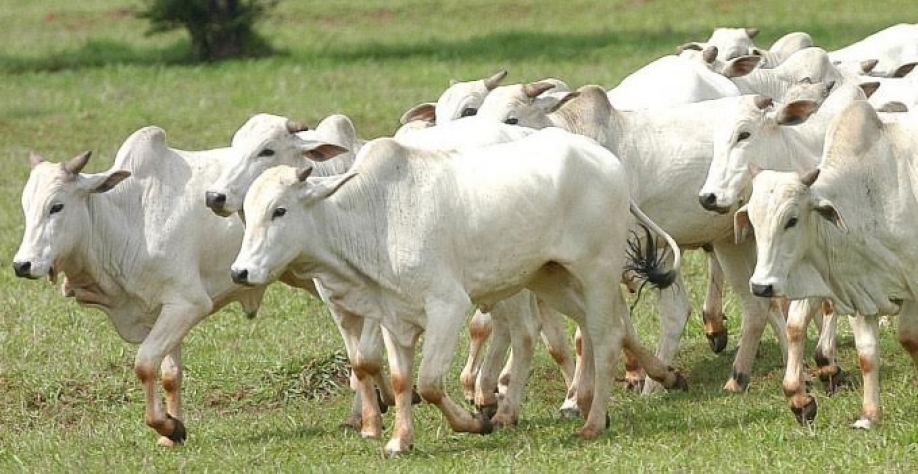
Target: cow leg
[(800, 402), (401, 361), (557, 340), (908, 331), (485, 398), (866, 331), (171, 371), (444, 322), (479, 332), (656, 369), (712, 312), (569, 408), (174, 322), (674, 313), (367, 368), (831, 375), (523, 308), (738, 262)]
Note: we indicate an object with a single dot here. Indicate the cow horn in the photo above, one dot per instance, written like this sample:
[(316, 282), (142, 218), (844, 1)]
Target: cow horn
[(533, 89), (763, 102), (76, 164), (494, 81), (709, 54), (295, 126), (809, 177), (752, 32), (35, 159), (303, 173)]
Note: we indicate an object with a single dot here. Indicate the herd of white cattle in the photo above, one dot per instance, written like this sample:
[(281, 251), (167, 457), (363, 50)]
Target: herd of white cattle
[(793, 167)]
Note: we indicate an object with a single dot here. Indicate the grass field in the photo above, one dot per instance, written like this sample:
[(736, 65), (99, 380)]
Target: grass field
[(266, 394)]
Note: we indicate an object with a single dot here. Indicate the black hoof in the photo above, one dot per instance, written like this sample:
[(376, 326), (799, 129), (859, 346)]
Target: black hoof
[(415, 396), (635, 386), (383, 407), (806, 414), (833, 383), (717, 341), (178, 433), (681, 383)]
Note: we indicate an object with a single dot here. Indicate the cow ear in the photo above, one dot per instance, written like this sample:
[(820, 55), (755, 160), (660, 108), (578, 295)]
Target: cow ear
[(741, 224), (830, 213), (323, 187), (560, 103), (741, 66), (425, 112), (693, 45), (903, 70), (101, 182), (868, 65), (796, 112), (869, 87), (321, 151)]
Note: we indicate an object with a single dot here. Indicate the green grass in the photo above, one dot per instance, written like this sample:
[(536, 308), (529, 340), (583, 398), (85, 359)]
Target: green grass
[(265, 394)]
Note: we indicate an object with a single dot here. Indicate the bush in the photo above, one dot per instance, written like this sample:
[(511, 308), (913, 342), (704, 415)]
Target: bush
[(219, 29)]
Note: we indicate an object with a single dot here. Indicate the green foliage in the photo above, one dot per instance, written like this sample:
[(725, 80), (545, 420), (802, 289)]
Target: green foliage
[(219, 29)]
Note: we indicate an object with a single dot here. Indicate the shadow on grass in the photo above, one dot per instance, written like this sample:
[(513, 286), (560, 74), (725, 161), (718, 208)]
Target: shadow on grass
[(512, 45)]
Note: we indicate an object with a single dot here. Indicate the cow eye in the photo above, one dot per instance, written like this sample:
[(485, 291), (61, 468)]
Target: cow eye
[(512, 121), (790, 223), (742, 136), (469, 111), (279, 212), (56, 208), (266, 152)]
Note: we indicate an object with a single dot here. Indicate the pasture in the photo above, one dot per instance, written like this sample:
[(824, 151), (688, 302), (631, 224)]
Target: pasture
[(267, 394)]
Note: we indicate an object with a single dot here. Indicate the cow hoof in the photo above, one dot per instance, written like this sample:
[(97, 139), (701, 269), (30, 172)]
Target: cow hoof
[(165, 442), (717, 341), (862, 424), (503, 421), (178, 434), (587, 433), (415, 396), (352, 423), (681, 383), (806, 414), (569, 412), (634, 385), (486, 426), (397, 447), (738, 383), (834, 383)]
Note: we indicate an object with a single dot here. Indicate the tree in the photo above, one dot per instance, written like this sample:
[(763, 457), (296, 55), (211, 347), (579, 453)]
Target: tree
[(219, 29)]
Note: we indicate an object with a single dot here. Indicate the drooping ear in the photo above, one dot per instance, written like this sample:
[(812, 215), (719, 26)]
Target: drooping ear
[(903, 70), (829, 212), (893, 106), (35, 159), (741, 225), (317, 150), (762, 53), (752, 32), (425, 112), (796, 112), (101, 182), (534, 89), (869, 87), (323, 187), (738, 67)]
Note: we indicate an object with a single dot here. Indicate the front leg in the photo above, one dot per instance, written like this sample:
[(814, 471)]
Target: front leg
[(171, 370), (401, 361), (800, 402), (866, 330)]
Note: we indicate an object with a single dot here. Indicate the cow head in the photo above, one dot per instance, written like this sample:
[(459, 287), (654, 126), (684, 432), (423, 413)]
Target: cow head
[(54, 202), (262, 142), (785, 212), (518, 104), (277, 224)]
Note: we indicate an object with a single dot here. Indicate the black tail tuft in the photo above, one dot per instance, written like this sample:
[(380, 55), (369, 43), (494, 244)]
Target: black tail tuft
[(647, 263)]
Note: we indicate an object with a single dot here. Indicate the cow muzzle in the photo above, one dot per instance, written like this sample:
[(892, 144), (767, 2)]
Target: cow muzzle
[(763, 290), (23, 269), (240, 277), (215, 201), (709, 202)]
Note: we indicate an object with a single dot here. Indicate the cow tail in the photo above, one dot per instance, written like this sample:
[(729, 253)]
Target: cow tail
[(647, 263)]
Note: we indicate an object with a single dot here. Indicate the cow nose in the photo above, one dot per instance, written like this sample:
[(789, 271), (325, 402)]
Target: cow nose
[(215, 200), (708, 201), (240, 277), (762, 290), (22, 269)]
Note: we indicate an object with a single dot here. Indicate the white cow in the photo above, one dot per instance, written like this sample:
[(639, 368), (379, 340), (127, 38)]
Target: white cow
[(731, 42), (406, 238), (894, 48), (667, 153), (136, 243), (265, 141), (843, 231), (460, 99), (679, 79), (759, 134), (782, 48), (812, 63)]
